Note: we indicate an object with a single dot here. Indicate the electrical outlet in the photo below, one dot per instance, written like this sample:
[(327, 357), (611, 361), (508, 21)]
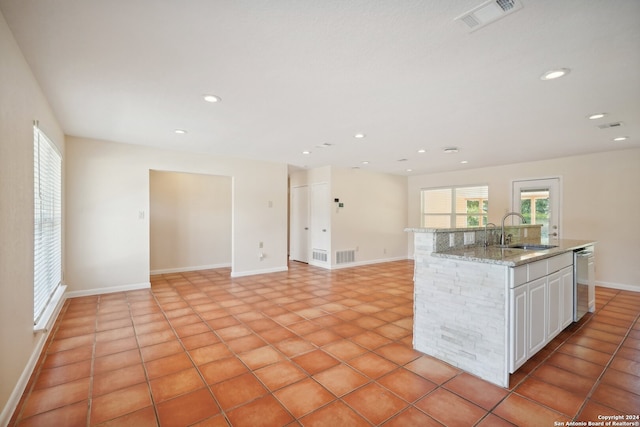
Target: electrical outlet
[(469, 238), (260, 245), (452, 239)]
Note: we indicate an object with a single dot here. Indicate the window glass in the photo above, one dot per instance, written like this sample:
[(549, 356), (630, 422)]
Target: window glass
[(47, 236), (455, 207)]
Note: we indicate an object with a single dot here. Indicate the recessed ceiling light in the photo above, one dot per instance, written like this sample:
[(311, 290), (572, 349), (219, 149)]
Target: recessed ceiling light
[(409, 170), (621, 138), (555, 74), (596, 116), (464, 162), (359, 135), (212, 98), (306, 152), (451, 150), (422, 150), (180, 131), (365, 162)]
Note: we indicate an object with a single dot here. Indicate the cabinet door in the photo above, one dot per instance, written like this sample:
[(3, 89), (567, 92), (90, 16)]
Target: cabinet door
[(536, 326), (554, 305), (518, 327), (566, 278)]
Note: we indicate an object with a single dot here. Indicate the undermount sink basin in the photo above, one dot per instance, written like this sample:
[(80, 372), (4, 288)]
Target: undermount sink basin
[(532, 246)]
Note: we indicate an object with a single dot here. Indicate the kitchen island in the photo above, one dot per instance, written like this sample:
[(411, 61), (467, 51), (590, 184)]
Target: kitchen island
[(486, 310)]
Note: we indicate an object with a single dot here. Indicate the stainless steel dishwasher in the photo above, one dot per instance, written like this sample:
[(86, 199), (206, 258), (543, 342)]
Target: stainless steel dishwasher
[(583, 281)]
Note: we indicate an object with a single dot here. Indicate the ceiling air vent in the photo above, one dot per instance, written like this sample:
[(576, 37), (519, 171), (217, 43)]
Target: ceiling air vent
[(487, 13), (610, 125)]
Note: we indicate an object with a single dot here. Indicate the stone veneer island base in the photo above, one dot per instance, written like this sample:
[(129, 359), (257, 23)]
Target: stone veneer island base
[(461, 298)]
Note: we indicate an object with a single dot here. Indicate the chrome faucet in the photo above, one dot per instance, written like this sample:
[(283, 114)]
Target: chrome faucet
[(486, 236), (508, 214)]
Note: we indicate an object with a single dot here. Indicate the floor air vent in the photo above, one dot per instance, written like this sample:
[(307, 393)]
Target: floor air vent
[(319, 255), (343, 257), (487, 13)]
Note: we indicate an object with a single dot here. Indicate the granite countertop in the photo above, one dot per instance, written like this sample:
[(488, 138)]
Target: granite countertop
[(508, 256), (447, 230)]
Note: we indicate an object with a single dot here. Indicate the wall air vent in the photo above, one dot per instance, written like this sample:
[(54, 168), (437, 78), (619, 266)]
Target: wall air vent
[(487, 13), (347, 256), (610, 125), (319, 255)]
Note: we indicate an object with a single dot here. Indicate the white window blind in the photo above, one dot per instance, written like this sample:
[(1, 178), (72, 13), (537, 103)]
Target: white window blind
[(47, 174)]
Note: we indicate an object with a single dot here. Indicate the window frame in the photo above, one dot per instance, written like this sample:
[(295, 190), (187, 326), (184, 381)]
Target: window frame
[(453, 214), (47, 232)]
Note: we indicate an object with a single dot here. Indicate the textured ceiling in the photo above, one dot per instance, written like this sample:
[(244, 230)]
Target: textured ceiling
[(296, 74)]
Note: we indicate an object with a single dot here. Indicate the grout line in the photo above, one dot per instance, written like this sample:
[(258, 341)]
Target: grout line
[(608, 365)]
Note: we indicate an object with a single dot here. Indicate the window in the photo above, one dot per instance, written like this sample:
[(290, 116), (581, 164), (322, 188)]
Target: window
[(455, 207), (47, 248)]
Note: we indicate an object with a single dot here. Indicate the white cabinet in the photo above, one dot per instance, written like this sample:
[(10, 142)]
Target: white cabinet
[(536, 328), (566, 279), (559, 301), (554, 304), (540, 305), (519, 322)]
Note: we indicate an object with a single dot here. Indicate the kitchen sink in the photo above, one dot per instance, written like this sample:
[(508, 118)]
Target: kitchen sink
[(532, 246)]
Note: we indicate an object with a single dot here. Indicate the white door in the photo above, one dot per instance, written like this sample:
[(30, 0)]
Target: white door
[(299, 227), (320, 219), (539, 200)]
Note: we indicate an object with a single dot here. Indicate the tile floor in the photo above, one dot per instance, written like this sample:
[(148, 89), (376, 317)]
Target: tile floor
[(309, 347)]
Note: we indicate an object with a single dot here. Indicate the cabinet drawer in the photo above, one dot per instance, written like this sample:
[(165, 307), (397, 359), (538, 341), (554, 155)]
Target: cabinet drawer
[(559, 262), (537, 270), (518, 276), (526, 273)]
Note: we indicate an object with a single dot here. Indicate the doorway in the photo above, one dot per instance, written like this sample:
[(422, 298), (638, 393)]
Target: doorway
[(299, 224), (539, 201), (189, 221)]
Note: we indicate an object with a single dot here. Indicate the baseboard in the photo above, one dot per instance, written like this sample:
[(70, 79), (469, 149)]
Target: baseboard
[(196, 268), (110, 290), (254, 272), (21, 385), (373, 261), (619, 286)]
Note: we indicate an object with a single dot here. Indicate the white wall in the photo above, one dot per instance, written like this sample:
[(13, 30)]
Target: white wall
[(21, 102), (600, 202), (108, 186), (190, 221), (374, 215)]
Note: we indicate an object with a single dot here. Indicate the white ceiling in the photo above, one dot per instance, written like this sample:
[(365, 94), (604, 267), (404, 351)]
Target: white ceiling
[(294, 74)]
